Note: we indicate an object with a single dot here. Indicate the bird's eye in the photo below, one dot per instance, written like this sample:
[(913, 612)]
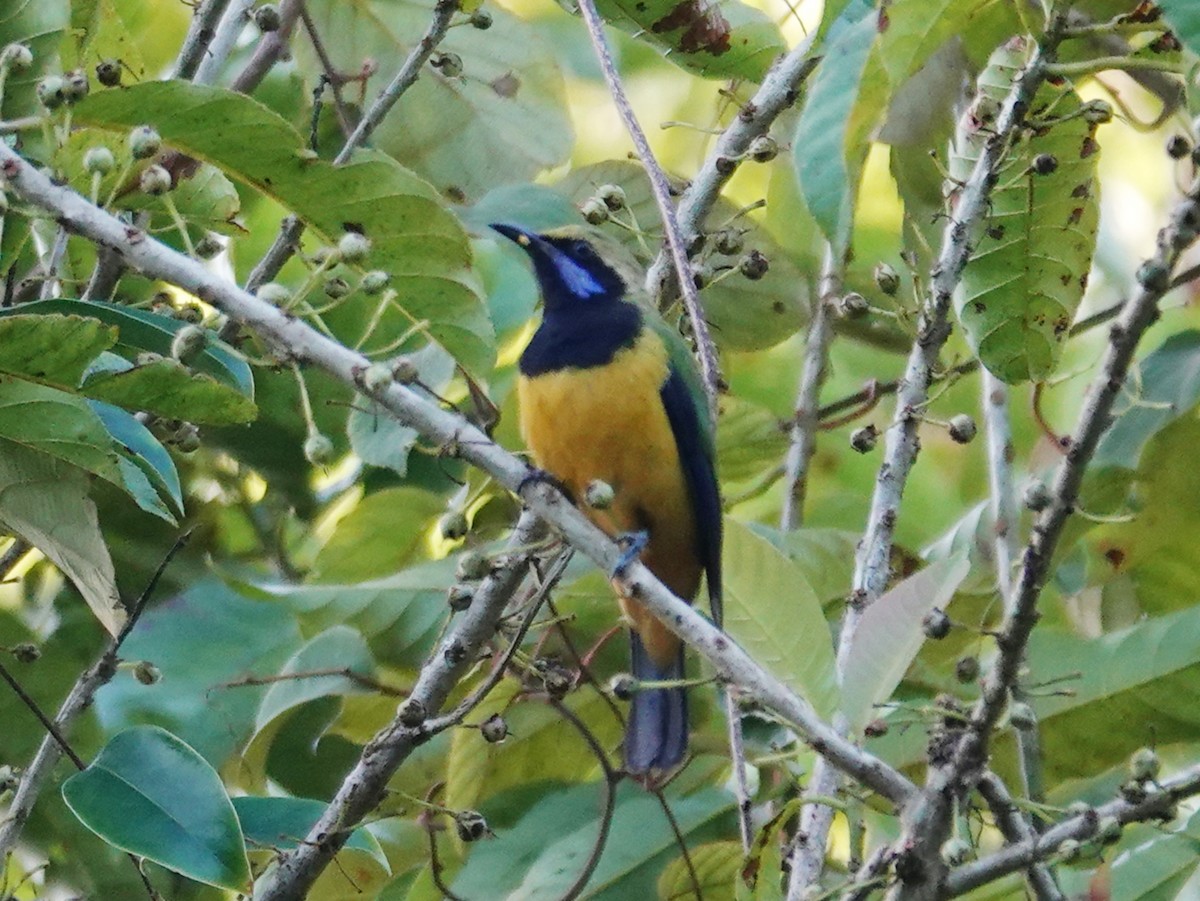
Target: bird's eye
[(582, 250)]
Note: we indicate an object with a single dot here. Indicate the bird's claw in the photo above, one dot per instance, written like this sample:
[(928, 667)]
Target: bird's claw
[(631, 544), (536, 476)]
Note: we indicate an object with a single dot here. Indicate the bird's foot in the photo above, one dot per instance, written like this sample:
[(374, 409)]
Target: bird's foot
[(631, 544), (536, 476)]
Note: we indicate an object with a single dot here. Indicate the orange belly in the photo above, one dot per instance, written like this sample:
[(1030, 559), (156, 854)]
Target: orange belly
[(608, 423)]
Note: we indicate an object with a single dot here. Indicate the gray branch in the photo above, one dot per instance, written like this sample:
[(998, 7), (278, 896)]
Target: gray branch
[(1016, 829), (201, 32), (778, 91), (236, 16)]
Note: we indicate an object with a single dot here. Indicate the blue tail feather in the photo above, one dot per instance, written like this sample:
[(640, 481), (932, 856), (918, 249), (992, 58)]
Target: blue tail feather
[(656, 733)]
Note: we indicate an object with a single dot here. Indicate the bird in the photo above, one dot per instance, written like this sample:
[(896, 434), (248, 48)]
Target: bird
[(608, 393)]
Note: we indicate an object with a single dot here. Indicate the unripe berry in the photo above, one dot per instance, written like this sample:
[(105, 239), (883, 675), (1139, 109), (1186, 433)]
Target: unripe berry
[(274, 294), (853, 306), (99, 160), (1144, 764), (411, 713), (75, 86), (267, 18), (623, 686), (108, 72), (318, 449), (144, 142), (1044, 164), (613, 196), (50, 92), (494, 729), (763, 149), (471, 826), (956, 851), (354, 247), (886, 279), (1022, 717), (1178, 147), (967, 669), (599, 494), (730, 242), (374, 281), (936, 624), (753, 265), (147, 673), (376, 377), (962, 428), (481, 19), (155, 180), (459, 597), (473, 566), (594, 210), (1068, 850), (1098, 112), (336, 287), (449, 64), (405, 370), (209, 246), (864, 439), (1037, 496), (16, 57)]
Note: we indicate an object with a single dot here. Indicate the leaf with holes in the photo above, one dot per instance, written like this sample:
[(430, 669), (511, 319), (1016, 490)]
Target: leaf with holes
[(1026, 277)]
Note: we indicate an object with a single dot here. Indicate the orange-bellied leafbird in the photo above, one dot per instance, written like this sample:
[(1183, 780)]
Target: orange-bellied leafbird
[(608, 392)]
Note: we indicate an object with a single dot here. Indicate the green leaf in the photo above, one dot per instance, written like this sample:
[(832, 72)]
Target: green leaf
[(150, 794), (100, 31), (379, 536), (717, 866), (254, 638), (750, 440), (539, 857), (414, 237), (889, 636), (167, 388), (1163, 386), (871, 56), (1160, 863), (142, 330), (716, 40), (339, 648), (503, 119), (1143, 674), (138, 446), (272, 824), (768, 603), (57, 424), (1026, 277), (377, 437), (541, 745), (398, 613), (820, 146), (743, 314), (826, 557), (44, 500), (51, 349), (1184, 19)]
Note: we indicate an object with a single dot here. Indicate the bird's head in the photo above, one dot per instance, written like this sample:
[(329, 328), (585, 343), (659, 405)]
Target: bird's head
[(573, 268)]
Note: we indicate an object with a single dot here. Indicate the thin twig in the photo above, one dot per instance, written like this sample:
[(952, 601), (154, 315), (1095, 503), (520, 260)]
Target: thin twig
[(1015, 828), (39, 714), (343, 672), (737, 759), (201, 32), (228, 31), (288, 240), (533, 605), (12, 556), (270, 49), (608, 804), (806, 418), (779, 90), (710, 369), (673, 823), (334, 82), (51, 287), (998, 431), (1159, 804)]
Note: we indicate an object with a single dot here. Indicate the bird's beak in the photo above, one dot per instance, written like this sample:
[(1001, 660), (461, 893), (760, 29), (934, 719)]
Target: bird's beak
[(524, 239)]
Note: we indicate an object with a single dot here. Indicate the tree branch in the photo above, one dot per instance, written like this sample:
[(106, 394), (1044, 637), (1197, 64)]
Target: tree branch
[(778, 91), (1016, 829), (201, 32), (706, 352), (872, 565), (806, 418)]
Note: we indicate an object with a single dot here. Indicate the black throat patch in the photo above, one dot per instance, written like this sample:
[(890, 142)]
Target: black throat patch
[(581, 338)]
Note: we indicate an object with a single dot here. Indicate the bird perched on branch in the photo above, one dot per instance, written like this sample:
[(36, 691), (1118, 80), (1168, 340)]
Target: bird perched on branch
[(610, 398)]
